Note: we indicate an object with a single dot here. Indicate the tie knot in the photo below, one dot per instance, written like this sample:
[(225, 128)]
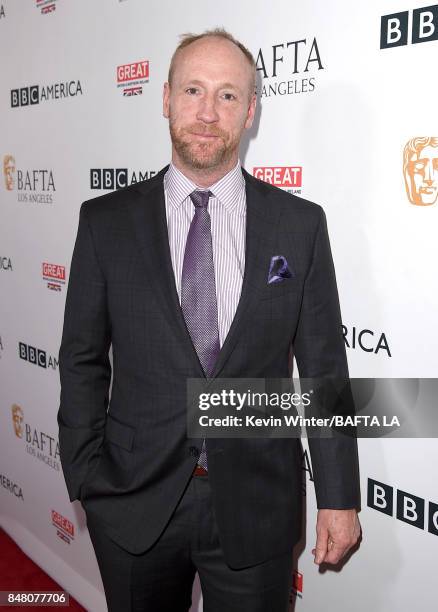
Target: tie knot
[(200, 198)]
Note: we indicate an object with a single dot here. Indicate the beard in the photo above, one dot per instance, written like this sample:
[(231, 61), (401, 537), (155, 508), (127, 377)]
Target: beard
[(202, 155)]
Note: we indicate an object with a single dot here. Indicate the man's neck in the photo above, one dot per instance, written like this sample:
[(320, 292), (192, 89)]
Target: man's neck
[(204, 177)]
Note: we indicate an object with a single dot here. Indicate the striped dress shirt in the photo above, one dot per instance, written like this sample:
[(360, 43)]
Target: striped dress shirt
[(227, 210)]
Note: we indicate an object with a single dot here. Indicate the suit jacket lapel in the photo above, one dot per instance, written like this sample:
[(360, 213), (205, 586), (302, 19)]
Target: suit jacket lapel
[(150, 226)]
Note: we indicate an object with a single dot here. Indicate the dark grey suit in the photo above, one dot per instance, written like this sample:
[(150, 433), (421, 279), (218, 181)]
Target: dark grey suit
[(130, 465)]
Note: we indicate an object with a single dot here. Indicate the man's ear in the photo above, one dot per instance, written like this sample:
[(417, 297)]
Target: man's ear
[(166, 97), (251, 112)]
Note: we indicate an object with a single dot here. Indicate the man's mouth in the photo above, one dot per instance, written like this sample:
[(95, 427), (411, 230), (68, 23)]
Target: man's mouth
[(427, 190), (206, 136)]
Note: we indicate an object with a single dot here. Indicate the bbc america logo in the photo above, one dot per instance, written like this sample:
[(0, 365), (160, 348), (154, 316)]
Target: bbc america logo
[(37, 356), (26, 96), (409, 508), (117, 178), (396, 27)]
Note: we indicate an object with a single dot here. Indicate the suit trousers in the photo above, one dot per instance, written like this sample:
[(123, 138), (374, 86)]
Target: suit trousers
[(161, 579)]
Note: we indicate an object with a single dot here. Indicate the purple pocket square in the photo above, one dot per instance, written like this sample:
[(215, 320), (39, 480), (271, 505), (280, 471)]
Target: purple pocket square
[(278, 269)]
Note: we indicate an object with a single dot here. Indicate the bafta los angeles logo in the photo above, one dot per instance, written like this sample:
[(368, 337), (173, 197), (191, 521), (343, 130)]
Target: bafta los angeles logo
[(420, 170), (9, 171), (17, 420)]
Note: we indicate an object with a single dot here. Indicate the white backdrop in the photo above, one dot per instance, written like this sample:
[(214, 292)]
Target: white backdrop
[(342, 110)]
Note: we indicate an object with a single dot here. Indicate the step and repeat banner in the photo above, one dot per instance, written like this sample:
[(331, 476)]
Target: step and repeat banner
[(347, 118)]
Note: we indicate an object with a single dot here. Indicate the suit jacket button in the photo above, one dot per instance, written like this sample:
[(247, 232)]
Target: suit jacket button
[(194, 451)]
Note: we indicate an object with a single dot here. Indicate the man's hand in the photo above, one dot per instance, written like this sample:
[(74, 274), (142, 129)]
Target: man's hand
[(336, 532)]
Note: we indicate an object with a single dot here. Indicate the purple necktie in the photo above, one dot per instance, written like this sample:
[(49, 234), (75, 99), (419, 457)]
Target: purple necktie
[(198, 291)]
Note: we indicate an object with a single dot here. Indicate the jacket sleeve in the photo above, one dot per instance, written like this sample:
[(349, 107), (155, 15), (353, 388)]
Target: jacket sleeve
[(320, 353), (84, 366)]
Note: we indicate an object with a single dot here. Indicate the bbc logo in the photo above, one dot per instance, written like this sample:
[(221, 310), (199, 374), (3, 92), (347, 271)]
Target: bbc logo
[(409, 508), (395, 28), (108, 178), (32, 354), (25, 96)]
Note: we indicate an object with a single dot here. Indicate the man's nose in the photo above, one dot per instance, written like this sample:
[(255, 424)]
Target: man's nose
[(207, 111)]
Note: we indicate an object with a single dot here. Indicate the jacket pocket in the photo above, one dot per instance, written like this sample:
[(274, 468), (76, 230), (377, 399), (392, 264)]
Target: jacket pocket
[(118, 433), (279, 289)]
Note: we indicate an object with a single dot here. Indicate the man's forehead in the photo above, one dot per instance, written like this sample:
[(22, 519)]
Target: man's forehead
[(213, 54), (211, 44)]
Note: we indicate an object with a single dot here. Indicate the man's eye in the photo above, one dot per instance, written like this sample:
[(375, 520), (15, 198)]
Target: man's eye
[(229, 96), (191, 90)]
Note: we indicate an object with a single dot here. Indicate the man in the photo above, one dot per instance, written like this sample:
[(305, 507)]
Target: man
[(173, 272), (420, 170)]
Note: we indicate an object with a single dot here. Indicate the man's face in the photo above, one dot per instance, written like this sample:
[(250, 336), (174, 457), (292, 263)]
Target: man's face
[(9, 173), (423, 176), (208, 103)]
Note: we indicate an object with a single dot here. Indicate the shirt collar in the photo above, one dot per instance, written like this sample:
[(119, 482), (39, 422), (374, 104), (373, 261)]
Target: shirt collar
[(227, 190)]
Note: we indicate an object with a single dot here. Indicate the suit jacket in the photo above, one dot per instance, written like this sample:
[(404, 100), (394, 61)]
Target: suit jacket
[(127, 457)]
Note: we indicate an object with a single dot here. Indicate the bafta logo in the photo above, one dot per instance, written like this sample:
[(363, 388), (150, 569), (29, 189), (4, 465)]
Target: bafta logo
[(9, 171), (17, 420), (420, 169)]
